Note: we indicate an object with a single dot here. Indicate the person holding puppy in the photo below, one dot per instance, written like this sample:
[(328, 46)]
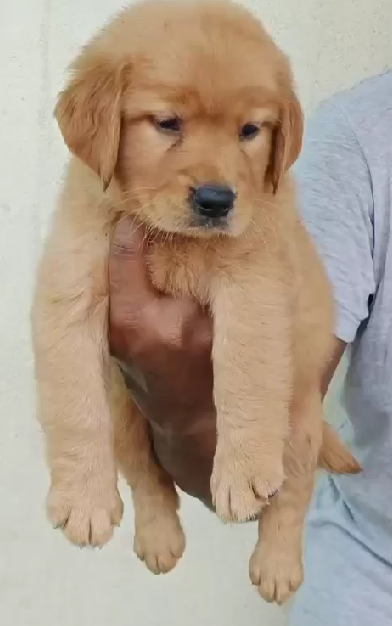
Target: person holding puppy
[(344, 178)]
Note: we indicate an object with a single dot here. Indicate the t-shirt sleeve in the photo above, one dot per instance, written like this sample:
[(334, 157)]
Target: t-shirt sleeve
[(335, 193)]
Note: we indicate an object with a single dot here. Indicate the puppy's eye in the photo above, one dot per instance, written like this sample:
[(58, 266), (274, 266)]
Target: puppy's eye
[(248, 131), (169, 124)]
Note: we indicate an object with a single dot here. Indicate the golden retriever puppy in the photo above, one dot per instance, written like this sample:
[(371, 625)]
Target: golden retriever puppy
[(184, 114)]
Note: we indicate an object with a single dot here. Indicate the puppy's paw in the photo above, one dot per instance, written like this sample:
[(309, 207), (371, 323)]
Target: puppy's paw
[(241, 484), (86, 515), (159, 542), (276, 573)]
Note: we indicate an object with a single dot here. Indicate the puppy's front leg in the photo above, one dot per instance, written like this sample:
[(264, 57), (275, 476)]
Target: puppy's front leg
[(71, 350), (252, 360)]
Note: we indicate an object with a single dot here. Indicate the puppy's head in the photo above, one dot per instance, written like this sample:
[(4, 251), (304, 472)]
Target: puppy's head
[(190, 107)]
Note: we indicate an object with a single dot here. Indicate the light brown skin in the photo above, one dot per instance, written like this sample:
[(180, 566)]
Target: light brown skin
[(260, 277)]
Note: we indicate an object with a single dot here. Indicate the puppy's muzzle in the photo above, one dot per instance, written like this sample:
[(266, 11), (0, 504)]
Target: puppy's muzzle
[(211, 203)]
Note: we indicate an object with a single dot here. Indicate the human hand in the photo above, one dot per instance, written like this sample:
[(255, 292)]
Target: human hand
[(164, 349)]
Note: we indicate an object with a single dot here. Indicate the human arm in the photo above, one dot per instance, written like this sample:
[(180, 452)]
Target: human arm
[(164, 349)]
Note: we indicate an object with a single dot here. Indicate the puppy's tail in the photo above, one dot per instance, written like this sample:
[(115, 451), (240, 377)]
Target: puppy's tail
[(334, 456)]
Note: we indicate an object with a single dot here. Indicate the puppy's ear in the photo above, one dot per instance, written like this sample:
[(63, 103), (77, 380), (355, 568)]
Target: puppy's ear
[(88, 114), (286, 140)]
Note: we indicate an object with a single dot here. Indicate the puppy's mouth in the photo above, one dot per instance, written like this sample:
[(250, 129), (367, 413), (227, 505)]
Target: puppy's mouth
[(216, 224)]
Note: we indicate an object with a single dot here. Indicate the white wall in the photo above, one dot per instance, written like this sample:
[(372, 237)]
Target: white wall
[(44, 581)]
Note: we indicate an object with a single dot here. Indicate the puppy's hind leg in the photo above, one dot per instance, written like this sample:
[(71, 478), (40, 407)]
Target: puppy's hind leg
[(159, 538), (276, 563)]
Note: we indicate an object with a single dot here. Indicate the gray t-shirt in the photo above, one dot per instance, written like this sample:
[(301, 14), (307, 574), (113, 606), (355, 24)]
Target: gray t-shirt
[(345, 186)]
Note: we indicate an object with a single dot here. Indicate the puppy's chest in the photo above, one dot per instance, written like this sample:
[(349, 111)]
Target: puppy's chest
[(184, 269)]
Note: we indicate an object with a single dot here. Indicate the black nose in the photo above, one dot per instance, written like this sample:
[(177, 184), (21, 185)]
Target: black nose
[(212, 200)]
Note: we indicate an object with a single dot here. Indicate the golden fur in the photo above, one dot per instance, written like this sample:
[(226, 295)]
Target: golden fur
[(211, 64)]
